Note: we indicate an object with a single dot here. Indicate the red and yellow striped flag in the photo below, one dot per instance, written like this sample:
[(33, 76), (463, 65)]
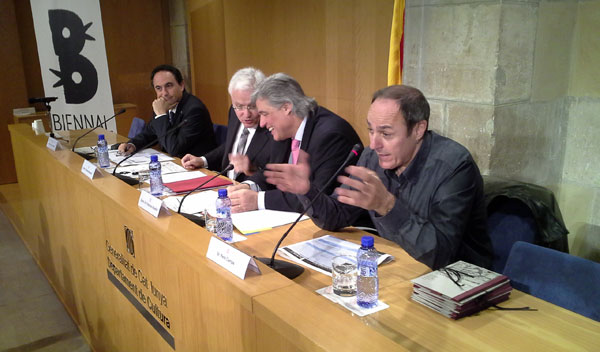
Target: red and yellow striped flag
[(396, 44)]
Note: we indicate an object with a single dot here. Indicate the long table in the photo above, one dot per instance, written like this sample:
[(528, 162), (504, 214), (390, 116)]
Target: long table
[(133, 282)]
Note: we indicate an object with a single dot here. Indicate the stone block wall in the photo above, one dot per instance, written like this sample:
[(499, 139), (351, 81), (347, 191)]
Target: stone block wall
[(517, 82)]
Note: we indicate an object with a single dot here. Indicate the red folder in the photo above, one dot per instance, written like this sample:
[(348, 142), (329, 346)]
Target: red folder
[(188, 185)]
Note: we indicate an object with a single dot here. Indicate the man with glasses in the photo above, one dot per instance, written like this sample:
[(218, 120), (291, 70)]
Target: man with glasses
[(298, 124), (246, 145), (173, 105)]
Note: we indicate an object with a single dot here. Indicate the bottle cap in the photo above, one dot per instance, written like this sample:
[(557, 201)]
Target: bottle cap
[(100, 137), (153, 158), (222, 192), (367, 241)]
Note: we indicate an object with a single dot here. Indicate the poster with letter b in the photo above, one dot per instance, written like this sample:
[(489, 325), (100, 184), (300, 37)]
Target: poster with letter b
[(70, 41)]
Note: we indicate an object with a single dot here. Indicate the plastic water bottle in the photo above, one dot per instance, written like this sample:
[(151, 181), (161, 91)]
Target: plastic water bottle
[(367, 282), (103, 160), (224, 224), (156, 183)]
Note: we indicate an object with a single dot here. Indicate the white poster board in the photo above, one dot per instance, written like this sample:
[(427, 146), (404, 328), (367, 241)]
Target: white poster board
[(70, 42)]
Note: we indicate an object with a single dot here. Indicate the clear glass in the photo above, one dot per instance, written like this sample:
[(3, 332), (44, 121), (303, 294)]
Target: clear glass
[(343, 274), (144, 179), (210, 222)]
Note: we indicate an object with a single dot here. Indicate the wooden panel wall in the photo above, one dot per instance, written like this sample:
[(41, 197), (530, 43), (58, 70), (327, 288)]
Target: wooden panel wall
[(15, 91), (336, 49), (137, 37)]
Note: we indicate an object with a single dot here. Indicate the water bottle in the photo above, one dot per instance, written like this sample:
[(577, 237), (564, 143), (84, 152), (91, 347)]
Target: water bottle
[(156, 183), (103, 160), (224, 224), (367, 282)]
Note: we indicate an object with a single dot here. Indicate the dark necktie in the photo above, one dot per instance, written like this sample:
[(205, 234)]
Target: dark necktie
[(171, 116), (242, 142)]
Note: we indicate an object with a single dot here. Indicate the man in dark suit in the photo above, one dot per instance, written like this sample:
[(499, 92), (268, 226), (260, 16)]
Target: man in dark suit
[(296, 123), (246, 144), (172, 106)]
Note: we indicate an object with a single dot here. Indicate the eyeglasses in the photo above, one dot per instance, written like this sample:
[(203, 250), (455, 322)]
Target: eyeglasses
[(243, 107), (455, 275)]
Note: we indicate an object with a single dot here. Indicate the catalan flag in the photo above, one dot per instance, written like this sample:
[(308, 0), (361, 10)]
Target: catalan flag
[(396, 44)]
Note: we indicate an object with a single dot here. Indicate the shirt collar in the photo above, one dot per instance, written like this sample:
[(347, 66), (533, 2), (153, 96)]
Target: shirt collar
[(411, 172), (300, 131)]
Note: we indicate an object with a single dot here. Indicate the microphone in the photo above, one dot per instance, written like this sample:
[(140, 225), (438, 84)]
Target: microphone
[(291, 270), (84, 155), (130, 180), (44, 100), (194, 218)]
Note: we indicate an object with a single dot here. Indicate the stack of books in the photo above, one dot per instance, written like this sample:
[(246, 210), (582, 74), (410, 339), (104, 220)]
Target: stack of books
[(460, 289)]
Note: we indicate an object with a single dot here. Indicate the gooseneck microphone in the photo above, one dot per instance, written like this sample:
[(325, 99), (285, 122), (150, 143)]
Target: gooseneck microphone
[(291, 270), (133, 181), (194, 218), (84, 155)]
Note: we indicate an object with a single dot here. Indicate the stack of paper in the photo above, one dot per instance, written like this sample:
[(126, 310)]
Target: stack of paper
[(317, 253), (460, 289)]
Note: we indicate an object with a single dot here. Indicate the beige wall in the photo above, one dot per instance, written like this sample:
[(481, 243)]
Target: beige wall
[(579, 191), (517, 82), (336, 49)]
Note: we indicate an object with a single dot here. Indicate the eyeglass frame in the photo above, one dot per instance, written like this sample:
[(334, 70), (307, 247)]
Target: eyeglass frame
[(243, 107)]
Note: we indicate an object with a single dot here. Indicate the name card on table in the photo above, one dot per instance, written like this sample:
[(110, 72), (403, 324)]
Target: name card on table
[(230, 258), (151, 204), (53, 144), (88, 169)]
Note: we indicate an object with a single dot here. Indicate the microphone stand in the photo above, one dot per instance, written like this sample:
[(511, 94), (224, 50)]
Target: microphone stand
[(194, 218), (84, 155), (289, 269), (130, 180)]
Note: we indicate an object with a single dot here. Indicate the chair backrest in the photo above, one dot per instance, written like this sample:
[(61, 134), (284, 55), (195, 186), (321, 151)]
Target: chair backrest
[(560, 278), (220, 133), (509, 220), (137, 125)]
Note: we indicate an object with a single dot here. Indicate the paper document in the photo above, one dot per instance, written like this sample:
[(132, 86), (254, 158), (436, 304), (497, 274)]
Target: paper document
[(181, 175), (350, 302), (142, 157), (260, 220), (246, 223), (318, 253), (86, 150), (133, 170), (194, 203)]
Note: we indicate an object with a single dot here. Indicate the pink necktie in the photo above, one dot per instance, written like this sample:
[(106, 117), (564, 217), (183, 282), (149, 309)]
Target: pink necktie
[(295, 151)]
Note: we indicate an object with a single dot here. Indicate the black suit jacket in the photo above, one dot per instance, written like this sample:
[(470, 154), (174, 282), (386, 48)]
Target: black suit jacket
[(258, 151), (328, 139), (196, 136)]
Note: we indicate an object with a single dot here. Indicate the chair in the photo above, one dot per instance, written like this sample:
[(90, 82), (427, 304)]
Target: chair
[(509, 220), (559, 278), (519, 211), (137, 125), (220, 133)]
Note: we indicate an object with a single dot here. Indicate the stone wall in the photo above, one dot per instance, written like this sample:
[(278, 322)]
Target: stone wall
[(517, 83)]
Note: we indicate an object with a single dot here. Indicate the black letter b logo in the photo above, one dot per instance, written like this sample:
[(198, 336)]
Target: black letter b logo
[(77, 74)]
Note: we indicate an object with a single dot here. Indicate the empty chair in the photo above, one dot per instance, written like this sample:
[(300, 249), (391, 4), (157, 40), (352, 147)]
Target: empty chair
[(220, 133), (519, 211), (137, 125), (509, 220), (560, 278)]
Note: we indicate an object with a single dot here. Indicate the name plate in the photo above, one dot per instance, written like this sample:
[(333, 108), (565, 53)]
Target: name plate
[(230, 258), (53, 144), (151, 204), (88, 169)]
